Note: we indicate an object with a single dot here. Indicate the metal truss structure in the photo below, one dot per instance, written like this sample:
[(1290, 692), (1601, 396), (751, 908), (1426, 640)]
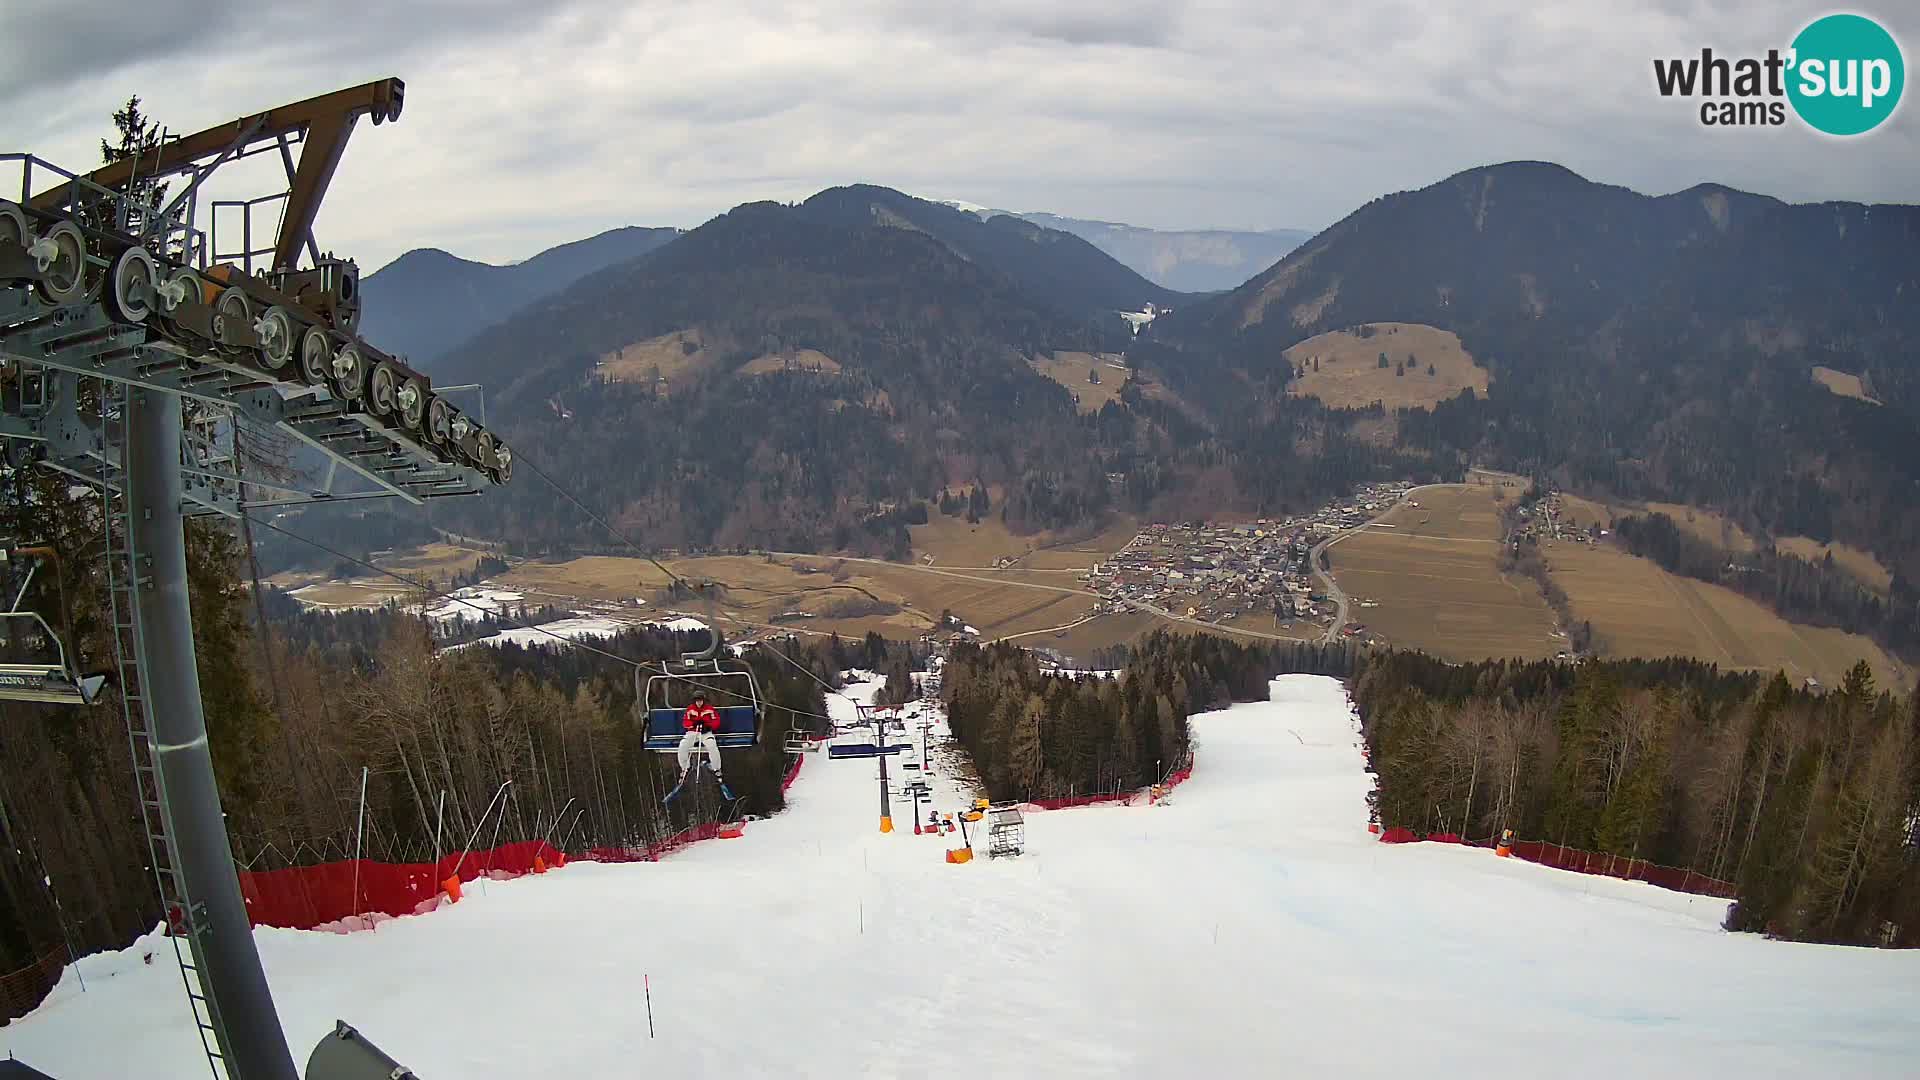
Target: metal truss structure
[(133, 354)]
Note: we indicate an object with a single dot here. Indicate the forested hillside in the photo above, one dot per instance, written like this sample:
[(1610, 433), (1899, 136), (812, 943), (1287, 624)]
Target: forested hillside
[(928, 386), (292, 725), (1808, 801), (1036, 735), (427, 302), (1640, 347)]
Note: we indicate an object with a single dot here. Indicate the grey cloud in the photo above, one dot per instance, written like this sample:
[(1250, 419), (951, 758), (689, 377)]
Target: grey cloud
[(529, 125)]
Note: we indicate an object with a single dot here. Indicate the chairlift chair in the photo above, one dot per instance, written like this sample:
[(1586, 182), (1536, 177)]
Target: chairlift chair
[(729, 685), (52, 678)]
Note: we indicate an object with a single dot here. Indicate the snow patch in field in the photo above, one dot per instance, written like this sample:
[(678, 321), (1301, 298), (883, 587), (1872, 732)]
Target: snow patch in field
[(472, 603), (379, 596), (1252, 929), (574, 629)]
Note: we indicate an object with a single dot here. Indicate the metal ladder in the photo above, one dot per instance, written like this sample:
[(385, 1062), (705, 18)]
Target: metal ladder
[(125, 580)]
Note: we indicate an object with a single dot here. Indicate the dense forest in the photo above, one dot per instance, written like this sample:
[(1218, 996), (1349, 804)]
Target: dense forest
[(294, 716), (1035, 734), (1808, 801)]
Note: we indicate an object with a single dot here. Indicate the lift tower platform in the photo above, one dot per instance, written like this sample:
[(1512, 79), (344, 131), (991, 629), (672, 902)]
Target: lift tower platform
[(132, 353)]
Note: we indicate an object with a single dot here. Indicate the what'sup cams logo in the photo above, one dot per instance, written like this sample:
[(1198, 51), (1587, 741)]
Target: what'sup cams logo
[(1842, 75)]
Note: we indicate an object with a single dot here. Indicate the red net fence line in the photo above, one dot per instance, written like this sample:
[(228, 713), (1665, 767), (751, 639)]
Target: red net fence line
[(1593, 862), (1598, 863), (307, 897), (22, 991), (322, 895)]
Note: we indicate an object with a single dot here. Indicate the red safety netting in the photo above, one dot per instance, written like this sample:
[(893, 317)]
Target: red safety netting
[(1589, 862), (22, 991), (1593, 862), (304, 897)]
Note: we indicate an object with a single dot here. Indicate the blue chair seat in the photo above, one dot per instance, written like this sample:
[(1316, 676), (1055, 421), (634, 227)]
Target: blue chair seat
[(738, 727)]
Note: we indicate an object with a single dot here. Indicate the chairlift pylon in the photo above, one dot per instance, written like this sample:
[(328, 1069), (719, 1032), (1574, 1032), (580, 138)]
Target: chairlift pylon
[(50, 679)]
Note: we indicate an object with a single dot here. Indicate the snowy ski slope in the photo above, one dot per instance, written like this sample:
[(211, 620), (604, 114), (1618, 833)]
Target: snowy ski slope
[(1252, 928)]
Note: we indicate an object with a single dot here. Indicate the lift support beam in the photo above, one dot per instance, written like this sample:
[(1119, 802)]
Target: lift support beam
[(323, 124)]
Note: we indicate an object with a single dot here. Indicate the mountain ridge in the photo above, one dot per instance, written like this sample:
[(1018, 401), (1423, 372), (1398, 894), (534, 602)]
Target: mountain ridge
[(429, 300)]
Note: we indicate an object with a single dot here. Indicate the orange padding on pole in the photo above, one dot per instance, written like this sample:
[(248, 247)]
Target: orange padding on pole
[(886, 823), (732, 831), (539, 865), (452, 885), (960, 855)]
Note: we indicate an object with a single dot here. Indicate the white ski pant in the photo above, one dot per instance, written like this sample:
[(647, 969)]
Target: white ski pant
[(693, 740)]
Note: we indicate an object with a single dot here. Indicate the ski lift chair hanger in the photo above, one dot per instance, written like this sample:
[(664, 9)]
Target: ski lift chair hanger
[(729, 686), (52, 680)]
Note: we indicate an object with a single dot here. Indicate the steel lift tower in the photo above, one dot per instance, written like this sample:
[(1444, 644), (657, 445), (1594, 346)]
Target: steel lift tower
[(132, 352)]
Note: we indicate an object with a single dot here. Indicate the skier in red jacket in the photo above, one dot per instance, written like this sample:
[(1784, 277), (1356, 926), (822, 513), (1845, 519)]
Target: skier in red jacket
[(702, 722)]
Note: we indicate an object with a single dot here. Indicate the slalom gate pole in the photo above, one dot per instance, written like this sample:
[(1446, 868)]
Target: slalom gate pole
[(646, 981)]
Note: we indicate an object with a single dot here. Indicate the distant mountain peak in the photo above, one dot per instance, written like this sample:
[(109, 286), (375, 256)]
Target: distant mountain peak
[(428, 300)]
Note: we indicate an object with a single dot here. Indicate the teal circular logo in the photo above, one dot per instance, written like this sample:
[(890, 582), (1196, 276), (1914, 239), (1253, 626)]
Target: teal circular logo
[(1846, 76)]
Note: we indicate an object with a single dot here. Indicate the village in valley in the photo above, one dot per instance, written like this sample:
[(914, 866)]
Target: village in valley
[(1218, 572)]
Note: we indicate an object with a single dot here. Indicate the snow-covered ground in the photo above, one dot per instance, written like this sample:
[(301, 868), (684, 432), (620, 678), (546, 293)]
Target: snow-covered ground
[(472, 602), (548, 633), (1252, 928)]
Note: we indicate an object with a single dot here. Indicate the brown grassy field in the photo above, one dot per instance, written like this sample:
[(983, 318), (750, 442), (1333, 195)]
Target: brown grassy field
[(952, 541), (1843, 384), (1082, 553), (431, 562), (1581, 513), (1702, 523), (994, 602), (1431, 582), (669, 356), (1861, 565), (1129, 627), (803, 360), (1638, 609), (1070, 369), (349, 594), (1350, 374)]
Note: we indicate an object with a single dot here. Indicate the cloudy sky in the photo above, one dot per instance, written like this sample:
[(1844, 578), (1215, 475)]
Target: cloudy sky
[(528, 125)]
